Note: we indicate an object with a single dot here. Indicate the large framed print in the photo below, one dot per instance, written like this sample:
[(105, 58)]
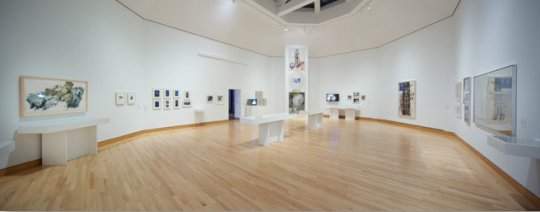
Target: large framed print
[(39, 96), (407, 99)]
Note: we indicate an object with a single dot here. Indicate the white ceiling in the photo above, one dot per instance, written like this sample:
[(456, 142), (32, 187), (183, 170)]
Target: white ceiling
[(247, 24)]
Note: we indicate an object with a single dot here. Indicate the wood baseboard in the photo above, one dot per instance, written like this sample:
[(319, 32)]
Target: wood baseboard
[(129, 137), (532, 201), (21, 168)]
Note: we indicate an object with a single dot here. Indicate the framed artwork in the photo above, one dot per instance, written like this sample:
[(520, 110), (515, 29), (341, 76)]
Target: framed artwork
[(220, 100), (467, 100), (167, 93), (407, 99), (177, 104), (167, 104), (459, 92), (332, 97), (48, 96), (252, 102), (495, 102), (186, 102), (176, 93), (363, 97), (296, 59), (297, 102), (120, 98), (356, 97), (156, 93), (131, 98), (210, 99), (156, 104)]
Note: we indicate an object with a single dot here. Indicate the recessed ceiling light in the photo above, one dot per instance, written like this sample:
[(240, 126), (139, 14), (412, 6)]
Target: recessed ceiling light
[(285, 29)]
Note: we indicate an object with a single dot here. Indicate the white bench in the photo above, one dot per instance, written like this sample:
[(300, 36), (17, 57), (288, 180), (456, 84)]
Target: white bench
[(315, 120), (271, 127)]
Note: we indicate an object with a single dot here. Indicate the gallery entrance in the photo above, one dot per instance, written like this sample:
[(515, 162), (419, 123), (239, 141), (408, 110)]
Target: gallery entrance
[(234, 104)]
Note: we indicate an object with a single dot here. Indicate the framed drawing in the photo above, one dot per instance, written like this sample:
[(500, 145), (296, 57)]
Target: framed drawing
[(297, 102), (176, 93), (459, 92), (467, 100), (219, 100), (120, 98), (167, 104), (156, 104), (131, 98), (177, 105), (156, 93), (210, 99), (186, 102), (407, 99), (47, 96), (166, 93)]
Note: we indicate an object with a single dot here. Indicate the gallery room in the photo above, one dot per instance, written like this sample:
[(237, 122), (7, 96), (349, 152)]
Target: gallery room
[(269, 105)]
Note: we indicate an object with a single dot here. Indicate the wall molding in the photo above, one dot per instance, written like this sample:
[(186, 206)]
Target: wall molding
[(282, 56)]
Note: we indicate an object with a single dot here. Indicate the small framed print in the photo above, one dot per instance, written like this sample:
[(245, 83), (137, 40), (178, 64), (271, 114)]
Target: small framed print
[(210, 99), (167, 104), (177, 104), (120, 98), (156, 104), (219, 100), (167, 93), (186, 103), (176, 93), (156, 93), (186, 94), (131, 98)]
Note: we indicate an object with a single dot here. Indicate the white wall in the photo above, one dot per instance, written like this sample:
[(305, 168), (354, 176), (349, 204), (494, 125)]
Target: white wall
[(493, 34), (98, 41), (482, 36), (114, 50)]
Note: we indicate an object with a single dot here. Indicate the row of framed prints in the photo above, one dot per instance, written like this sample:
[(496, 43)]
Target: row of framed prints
[(168, 99), (170, 103)]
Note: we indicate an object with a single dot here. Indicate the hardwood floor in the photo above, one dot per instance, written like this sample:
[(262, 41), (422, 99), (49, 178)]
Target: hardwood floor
[(345, 165)]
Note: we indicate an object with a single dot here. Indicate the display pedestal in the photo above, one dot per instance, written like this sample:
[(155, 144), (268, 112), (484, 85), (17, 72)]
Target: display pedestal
[(315, 120), (334, 113), (64, 139), (350, 114), (271, 127)]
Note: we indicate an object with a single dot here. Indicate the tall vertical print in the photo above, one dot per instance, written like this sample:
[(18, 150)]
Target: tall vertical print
[(407, 99), (296, 78), (467, 100)]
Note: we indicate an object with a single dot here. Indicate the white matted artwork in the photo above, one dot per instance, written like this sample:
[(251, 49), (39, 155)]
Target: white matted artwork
[(120, 98), (459, 92), (131, 98), (156, 104), (177, 103), (176, 93), (356, 97), (167, 104), (186, 103), (297, 102), (167, 93), (220, 100), (209, 99), (467, 95), (48, 96), (407, 99), (156, 93)]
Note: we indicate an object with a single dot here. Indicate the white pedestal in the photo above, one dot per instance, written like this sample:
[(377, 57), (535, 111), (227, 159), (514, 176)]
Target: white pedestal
[(315, 120), (350, 114), (271, 127), (334, 113), (64, 139)]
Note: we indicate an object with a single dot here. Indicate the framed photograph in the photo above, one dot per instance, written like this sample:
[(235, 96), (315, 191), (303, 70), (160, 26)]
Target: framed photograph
[(176, 93), (156, 104), (167, 93), (120, 98), (210, 99), (186, 103), (156, 93), (407, 99), (131, 98), (177, 104), (47, 96), (220, 100), (252, 102), (297, 102), (167, 104)]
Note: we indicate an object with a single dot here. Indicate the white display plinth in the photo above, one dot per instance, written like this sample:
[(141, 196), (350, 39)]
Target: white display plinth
[(271, 127), (64, 139), (334, 113), (350, 112), (516, 146), (315, 120)]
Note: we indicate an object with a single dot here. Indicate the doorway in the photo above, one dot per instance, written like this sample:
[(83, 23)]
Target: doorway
[(234, 104)]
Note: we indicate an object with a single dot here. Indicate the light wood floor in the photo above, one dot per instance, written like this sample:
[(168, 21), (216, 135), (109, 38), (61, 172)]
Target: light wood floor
[(345, 165)]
